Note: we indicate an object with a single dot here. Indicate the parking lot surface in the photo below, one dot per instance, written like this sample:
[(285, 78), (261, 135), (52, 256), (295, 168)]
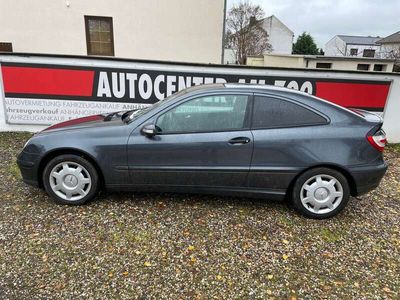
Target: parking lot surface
[(173, 246)]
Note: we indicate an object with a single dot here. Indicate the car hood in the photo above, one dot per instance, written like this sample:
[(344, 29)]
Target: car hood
[(89, 121)]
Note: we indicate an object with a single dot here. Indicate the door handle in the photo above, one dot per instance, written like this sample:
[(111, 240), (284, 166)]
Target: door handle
[(239, 141)]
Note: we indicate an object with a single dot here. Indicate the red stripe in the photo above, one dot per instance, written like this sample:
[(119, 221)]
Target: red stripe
[(354, 94), (45, 81)]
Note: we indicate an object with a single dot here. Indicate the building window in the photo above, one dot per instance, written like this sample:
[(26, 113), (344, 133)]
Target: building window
[(5, 47), (354, 52), (99, 35), (363, 67), (324, 65), (369, 52), (380, 68)]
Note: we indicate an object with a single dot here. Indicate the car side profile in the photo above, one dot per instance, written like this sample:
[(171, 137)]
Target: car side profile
[(230, 139)]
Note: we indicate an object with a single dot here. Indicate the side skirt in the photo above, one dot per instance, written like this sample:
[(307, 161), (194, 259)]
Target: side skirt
[(237, 192)]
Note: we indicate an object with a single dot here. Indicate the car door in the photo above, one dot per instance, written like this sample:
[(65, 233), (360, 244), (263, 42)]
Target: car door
[(285, 134), (204, 141)]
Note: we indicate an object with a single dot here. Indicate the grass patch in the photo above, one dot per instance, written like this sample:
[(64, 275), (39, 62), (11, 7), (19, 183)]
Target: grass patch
[(14, 170), (331, 236), (393, 148)]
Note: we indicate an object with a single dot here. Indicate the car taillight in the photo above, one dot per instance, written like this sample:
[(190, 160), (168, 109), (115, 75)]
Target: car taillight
[(378, 140)]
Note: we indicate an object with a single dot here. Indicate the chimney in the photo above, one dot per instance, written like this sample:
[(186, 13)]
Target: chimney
[(253, 20)]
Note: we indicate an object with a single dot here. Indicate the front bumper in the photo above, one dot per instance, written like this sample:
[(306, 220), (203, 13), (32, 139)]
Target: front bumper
[(367, 178), (28, 164)]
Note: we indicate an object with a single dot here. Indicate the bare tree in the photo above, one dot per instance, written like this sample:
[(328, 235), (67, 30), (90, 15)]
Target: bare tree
[(245, 33)]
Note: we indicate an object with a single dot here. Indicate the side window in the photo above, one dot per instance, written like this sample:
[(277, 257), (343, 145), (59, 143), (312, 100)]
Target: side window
[(205, 114), (273, 112)]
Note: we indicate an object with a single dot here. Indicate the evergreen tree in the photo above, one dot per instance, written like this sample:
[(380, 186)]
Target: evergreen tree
[(305, 45)]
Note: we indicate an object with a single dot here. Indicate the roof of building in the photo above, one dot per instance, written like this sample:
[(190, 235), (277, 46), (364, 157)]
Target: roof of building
[(393, 38), (359, 40), (323, 57)]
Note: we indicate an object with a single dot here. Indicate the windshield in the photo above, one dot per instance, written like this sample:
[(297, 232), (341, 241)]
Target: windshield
[(131, 115)]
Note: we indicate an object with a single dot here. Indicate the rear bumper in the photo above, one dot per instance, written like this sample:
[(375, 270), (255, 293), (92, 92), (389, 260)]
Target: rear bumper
[(28, 165), (367, 178)]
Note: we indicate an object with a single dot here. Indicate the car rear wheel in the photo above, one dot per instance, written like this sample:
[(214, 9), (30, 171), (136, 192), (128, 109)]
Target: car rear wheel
[(320, 193), (70, 179)]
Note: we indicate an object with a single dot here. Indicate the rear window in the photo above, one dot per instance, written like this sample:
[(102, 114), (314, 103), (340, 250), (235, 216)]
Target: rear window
[(272, 112)]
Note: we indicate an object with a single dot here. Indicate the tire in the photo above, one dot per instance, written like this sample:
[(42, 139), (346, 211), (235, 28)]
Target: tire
[(70, 179), (320, 193)]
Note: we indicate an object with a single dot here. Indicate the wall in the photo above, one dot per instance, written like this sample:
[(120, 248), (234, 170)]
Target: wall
[(310, 62), (32, 85), (361, 48), (229, 56), (292, 61), (335, 47), (351, 65), (388, 48), (188, 30), (280, 37)]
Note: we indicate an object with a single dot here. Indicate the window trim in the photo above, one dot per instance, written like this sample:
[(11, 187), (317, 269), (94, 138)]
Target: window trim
[(369, 50), (326, 65), (87, 32), (307, 107), (9, 46), (355, 54), (363, 64), (247, 117)]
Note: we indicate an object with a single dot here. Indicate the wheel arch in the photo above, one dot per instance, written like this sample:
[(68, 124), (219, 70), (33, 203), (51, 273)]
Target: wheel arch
[(61, 151), (342, 170)]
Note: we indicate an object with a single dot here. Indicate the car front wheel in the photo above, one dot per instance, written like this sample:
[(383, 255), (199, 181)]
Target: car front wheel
[(70, 179), (320, 193)]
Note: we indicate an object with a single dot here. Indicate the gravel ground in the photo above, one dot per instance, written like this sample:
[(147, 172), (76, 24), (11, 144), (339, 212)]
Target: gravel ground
[(167, 246)]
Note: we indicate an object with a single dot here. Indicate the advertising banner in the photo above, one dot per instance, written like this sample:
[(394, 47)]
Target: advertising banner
[(43, 94)]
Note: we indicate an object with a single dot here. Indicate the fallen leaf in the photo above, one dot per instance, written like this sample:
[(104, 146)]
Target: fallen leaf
[(285, 256), (147, 264), (270, 276), (191, 248)]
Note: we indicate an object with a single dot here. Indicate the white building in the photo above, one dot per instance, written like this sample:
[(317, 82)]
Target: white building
[(390, 46), (280, 36), (350, 45), (177, 30), (322, 62)]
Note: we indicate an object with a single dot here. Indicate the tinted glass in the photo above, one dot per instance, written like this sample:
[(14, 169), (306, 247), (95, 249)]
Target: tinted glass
[(205, 114), (272, 112)]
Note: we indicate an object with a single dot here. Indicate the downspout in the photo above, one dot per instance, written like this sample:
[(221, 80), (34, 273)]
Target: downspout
[(223, 35)]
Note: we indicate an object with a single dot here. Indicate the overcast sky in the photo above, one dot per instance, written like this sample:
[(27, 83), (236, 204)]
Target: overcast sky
[(324, 19)]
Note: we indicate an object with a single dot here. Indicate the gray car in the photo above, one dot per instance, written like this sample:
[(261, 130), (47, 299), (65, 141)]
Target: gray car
[(231, 139)]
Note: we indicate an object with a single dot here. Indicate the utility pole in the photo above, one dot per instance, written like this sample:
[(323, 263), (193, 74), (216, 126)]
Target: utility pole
[(223, 34)]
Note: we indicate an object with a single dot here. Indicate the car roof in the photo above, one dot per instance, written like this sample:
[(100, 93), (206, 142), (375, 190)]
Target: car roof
[(261, 87), (242, 86)]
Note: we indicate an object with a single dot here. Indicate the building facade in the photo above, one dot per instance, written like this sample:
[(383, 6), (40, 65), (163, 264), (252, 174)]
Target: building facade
[(349, 45), (279, 35), (390, 46), (322, 62), (176, 30)]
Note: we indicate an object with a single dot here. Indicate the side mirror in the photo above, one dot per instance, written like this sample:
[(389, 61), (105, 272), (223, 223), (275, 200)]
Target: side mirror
[(149, 130)]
